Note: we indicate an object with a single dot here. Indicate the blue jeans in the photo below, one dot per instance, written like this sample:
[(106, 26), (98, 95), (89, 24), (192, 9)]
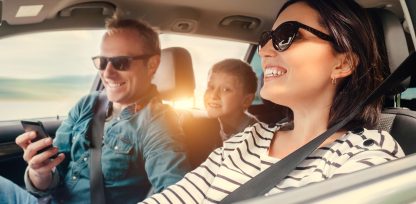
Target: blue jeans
[(11, 193)]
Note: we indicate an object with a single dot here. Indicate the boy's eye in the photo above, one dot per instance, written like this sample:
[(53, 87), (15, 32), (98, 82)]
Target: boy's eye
[(225, 89)]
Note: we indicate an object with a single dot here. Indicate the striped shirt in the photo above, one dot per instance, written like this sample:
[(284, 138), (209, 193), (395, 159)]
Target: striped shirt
[(247, 121), (246, 154)]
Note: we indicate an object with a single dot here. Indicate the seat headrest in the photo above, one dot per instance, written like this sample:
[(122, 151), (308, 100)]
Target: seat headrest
[(175, 76), (394, 47)]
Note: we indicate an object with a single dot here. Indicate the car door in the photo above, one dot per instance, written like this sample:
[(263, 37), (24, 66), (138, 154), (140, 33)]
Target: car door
[(42, 75)]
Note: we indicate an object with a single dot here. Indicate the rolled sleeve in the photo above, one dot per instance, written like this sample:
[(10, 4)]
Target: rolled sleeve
[(32, 189)]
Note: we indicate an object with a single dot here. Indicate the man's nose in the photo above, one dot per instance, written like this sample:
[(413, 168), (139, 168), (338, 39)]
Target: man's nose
[(109, 69)]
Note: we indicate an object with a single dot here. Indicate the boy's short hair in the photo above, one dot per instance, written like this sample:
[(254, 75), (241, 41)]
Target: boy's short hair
[(240, 69), (146, 32)]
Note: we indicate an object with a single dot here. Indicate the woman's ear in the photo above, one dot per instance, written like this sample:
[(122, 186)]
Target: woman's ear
[(345, 65), (153, 64)]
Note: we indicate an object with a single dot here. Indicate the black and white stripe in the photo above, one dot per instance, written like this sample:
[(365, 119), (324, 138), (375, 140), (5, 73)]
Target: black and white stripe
[(245, 155)]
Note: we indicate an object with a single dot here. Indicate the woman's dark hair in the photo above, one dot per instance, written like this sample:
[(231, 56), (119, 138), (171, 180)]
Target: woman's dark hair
[(349, 24)]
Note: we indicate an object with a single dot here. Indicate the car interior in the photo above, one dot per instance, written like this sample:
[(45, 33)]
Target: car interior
[(392, 38), (236, 20)]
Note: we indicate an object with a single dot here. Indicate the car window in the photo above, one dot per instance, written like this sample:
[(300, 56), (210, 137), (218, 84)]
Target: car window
[(44, 74), (256, 64), (204, 52), (409, 98), (409, 94)]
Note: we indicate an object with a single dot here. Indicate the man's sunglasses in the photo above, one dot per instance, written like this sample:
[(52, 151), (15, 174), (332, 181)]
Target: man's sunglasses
[(283, 36), (120, 63)]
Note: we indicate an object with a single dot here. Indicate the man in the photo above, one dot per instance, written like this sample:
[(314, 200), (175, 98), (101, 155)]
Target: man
[(140, 133)]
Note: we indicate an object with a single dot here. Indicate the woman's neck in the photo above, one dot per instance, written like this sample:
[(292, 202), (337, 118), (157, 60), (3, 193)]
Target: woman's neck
[(309, 123), (311, 115)]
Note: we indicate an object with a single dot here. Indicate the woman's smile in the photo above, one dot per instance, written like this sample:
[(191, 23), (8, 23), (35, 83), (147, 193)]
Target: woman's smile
[(273, 72)]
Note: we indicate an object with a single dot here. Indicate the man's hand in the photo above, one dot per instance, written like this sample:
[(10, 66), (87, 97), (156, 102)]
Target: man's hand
[(40, 164)]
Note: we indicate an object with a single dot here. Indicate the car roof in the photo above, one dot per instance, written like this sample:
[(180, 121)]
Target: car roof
[(241, 20)]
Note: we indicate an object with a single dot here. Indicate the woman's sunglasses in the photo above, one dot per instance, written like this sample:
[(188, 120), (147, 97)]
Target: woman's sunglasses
[(120, 63), (283, 36)]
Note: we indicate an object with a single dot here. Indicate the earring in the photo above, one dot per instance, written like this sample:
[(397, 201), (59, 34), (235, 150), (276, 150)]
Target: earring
[(333, 81)]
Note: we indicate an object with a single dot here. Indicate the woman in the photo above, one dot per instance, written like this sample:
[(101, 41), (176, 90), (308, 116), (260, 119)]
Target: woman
[(319, 60), (231, 88)]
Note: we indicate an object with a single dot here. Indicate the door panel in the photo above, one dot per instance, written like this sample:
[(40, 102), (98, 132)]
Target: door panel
[(12, 165)]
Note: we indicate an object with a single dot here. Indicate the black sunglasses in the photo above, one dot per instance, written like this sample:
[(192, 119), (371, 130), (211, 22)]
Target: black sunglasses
[(120, 63), (283, 36)]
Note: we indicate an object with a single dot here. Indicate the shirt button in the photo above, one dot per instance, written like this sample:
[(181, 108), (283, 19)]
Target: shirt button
[(358, 131), (118, 118), (85, 159), (74, 178), (116, 147), (368, 142)]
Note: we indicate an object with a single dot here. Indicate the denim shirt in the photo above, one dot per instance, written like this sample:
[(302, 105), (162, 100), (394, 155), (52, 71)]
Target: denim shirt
[(139, 150)]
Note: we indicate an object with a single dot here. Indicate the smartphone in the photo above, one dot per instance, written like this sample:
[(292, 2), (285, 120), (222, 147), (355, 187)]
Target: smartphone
[(41, 133)]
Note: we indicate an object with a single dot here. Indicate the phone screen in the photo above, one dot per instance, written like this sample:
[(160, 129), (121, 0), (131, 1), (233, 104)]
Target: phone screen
[(35, 126), (38, 128)]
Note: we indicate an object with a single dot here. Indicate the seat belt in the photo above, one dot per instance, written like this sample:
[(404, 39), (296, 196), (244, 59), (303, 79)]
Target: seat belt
[(269, 178), (96, 137)]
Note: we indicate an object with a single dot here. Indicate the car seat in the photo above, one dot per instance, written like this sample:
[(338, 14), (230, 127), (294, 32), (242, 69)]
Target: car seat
[(399, 122), (175, 76), (175, 79)]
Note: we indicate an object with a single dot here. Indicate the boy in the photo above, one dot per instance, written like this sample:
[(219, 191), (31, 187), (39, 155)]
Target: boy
[(231, 88)]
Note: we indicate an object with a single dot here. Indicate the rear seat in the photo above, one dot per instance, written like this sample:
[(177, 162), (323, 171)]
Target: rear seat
[(201, 135), (399, 122), (175, 76), (175, 79)]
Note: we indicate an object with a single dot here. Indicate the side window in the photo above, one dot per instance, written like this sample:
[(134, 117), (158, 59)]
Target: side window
[(256, 64), (44, 74), (409, 94), (409, 98)]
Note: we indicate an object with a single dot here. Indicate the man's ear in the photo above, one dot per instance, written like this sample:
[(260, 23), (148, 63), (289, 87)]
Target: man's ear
[(248, 100), (153, 63), (344, 66)]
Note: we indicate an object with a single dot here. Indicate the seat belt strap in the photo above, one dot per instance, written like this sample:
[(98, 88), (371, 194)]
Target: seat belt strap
[(266, 180), (97, 133)]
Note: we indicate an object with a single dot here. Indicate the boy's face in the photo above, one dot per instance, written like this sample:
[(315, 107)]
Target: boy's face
[(224, 96)]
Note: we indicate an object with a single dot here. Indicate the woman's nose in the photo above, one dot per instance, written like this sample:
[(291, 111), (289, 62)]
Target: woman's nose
[(267, 50)]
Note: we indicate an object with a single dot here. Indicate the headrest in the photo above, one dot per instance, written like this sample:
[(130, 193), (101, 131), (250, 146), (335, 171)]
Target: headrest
[(175, 76), (389, 27)]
